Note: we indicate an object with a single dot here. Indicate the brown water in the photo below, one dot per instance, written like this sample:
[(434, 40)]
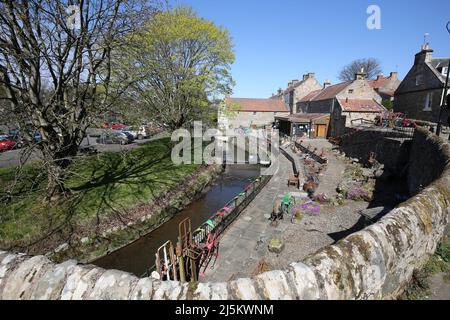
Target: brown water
[(140, 255)]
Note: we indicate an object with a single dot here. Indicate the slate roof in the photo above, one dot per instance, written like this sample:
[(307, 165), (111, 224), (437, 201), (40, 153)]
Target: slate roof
[(258, 105), (439, 62), (310, 95)]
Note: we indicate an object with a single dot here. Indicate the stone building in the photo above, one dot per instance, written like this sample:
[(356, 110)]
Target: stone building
[(310, 125), (249, 113), (386, 86), (297, 89), (419, 95), (348, 103)]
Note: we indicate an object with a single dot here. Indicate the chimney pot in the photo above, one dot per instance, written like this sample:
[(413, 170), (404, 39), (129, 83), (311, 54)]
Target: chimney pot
[(360, 75)]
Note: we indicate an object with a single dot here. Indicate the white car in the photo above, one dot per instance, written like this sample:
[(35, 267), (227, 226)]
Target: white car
[(139, 134)]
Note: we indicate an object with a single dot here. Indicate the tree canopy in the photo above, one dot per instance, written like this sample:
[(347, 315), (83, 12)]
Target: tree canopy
[(178, 62)]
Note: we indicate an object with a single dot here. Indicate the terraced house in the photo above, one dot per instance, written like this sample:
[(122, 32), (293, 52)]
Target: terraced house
[(348, 103), (419, 95), (296, 90), (249, 113)]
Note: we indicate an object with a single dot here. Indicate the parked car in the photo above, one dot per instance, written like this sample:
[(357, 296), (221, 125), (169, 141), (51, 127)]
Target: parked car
[(129, 135), (137, 133), (117, 126), (14, 134), (7, 143), (116, 137)]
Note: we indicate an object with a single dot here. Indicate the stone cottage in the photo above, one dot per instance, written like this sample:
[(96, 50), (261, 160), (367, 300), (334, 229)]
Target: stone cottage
[(297, 89), (249, 113), (419, 95), (386, 86), (349, 103)]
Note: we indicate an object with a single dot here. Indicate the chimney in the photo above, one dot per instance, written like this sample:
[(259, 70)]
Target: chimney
[(326, 84), (280, 91), (393, 75), (425, 54), (360, 75), (309, 75), (380, 76)]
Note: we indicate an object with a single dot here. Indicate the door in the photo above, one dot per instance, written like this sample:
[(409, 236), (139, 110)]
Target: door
[(321, 131)]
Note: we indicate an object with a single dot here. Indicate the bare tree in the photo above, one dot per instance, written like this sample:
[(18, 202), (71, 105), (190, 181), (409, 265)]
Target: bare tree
[(55, 64), (371, 67)]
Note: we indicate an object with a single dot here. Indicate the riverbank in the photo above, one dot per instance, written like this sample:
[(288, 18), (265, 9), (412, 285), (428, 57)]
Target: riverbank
[(138, 257), (115, 198)]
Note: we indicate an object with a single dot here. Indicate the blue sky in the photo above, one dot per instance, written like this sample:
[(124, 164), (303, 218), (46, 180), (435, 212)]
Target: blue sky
[(277, 41)]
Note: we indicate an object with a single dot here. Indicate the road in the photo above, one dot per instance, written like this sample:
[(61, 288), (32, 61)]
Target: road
[(12, 157)]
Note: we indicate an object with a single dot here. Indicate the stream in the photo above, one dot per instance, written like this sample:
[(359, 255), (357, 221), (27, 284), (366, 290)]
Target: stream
[(139, 256)]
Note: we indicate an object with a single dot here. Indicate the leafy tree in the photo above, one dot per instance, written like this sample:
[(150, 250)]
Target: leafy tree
[(55, 65), (371, 67), (177, 63)]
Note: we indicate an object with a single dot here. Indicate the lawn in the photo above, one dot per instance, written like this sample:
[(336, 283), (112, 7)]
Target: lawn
[(101, 185)]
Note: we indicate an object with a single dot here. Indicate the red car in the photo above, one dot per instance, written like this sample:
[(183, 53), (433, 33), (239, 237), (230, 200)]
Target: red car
[(7, 144), (116, 126)]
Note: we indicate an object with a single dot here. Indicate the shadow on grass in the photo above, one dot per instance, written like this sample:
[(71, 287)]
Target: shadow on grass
[(102, 188)]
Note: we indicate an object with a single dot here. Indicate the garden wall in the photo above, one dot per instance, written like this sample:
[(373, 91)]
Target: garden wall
[(375, 263)]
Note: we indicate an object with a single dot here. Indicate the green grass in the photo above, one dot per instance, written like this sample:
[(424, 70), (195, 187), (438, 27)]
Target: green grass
[(100, 185)]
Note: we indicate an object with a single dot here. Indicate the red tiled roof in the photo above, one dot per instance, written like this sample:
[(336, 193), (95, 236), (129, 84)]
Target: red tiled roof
[(261, 105), (377, 83), (361, 105)]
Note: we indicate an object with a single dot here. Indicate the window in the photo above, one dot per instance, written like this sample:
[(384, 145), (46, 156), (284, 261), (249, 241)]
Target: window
[(350, 90), (254, 113), (418, 80), (275, 113), (428, 102), (444, 71)]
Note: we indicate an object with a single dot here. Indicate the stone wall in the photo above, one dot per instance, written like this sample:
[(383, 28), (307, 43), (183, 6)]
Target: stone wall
[(428, 158), (374, 263), (392, 152)]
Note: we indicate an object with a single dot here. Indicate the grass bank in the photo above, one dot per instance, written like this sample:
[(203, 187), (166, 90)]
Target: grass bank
[(111, 193)]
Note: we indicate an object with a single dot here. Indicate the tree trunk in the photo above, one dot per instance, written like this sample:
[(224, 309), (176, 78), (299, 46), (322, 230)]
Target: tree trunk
[(57, 173), (55, 182)]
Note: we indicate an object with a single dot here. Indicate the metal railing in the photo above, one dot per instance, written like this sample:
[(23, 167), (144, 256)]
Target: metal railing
[(218, 222)]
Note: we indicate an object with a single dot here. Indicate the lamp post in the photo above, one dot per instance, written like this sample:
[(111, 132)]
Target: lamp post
[(444, 93)]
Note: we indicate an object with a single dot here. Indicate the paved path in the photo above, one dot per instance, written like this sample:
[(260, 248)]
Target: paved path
[(334, 170), (244, 244), (238, 243)]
